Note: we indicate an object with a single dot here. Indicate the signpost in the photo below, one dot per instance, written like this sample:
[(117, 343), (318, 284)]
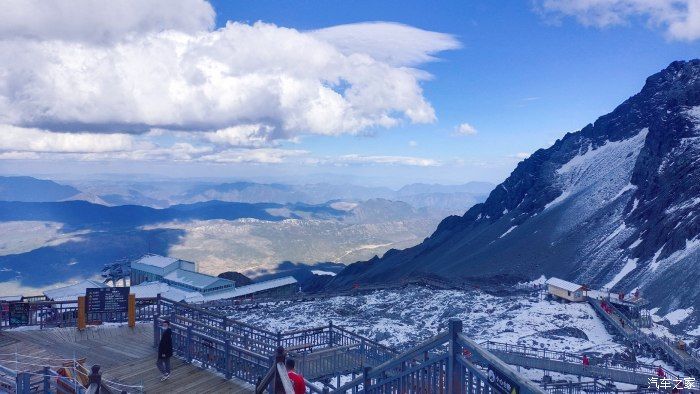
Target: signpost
[(107, 299), (106, 304), (19, 313), (501, 382)]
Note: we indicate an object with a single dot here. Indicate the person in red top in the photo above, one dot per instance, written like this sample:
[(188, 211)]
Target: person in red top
[(297, 380), (660, 372), (586, 361)]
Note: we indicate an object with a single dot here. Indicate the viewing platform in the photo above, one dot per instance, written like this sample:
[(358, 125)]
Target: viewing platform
[(126, 357)]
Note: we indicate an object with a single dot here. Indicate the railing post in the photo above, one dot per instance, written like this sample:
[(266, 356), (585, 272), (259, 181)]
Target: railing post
[(95, 378), (158, 304), (47, 379), (367, 381), (227, 359), (454, 384), (188, 349), (330, 333), (23, 383), (363, 351), (156, 336), (280, 357), (279, 339)]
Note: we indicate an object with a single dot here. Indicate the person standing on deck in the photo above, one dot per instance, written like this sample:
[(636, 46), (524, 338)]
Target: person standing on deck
[(165, 350), (297, 380)]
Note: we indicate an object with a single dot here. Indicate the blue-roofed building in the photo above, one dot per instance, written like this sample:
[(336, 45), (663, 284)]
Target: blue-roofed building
[(153, 267), (176, 272), (179, 280), (202, 283)]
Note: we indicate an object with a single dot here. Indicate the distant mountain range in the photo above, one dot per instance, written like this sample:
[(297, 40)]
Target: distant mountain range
[(440, 199), (447, 199), (82, 214), (28, 189), (49, 242), (614, 205)]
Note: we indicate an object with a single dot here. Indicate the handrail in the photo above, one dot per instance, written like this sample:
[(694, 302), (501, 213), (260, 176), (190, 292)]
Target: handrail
[(410, 354), (366, 340), (687, 361), (220, 341), (560, 356), (504, 368), (277, 376), (313, 388), (217, 315)]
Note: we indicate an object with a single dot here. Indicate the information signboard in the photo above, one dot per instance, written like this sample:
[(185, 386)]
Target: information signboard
[(501, 382), (19, 313), (107, 299)]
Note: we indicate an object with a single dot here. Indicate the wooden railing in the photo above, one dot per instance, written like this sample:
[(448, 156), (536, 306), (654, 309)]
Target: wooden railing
[(65, 314), (276, 379), (29, 374), (685, 361), (575, 358), (266, 342), (447, 363)]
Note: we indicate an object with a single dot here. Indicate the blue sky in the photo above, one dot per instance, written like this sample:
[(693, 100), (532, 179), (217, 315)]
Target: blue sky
[(526, 73)]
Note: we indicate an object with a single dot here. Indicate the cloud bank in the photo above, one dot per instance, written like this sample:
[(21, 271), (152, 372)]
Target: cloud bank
[(680, 19), (89, 77)]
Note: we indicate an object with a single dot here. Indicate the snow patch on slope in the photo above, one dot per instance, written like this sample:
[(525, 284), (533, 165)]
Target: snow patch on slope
[(678, 315), (624, 190), (614, 234), (629, 267), (508, 231), (597, 177)]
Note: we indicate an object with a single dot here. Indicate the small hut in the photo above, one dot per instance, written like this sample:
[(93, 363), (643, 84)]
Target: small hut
[(559, 288)]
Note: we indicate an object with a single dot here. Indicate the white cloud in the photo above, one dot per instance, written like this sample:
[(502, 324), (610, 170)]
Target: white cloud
[(392, 43), (264, 155), (679, 18), (133, 66), (16, 139), (393, 160), (465, 129), (412, 143), (95, 21), (254, 135)]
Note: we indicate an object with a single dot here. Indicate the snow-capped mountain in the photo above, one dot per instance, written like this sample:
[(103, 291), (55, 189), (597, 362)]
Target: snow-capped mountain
[(616, 204)]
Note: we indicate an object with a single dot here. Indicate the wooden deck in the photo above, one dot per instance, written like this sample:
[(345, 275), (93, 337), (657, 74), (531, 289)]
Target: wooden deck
[(125, 355)]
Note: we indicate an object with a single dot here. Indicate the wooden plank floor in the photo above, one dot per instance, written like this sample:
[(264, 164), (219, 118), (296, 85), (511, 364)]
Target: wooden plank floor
[(125, 355)]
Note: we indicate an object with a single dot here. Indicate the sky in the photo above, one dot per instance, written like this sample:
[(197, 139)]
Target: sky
[(376, 92)]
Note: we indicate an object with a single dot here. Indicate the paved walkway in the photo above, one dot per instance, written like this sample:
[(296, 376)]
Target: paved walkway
[(125, 355)]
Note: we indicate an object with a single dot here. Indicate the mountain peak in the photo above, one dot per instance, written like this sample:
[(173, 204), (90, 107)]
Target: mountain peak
[(612, 205), (680, 76)]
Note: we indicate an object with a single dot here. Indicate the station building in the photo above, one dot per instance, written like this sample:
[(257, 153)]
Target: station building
[(178, 273), (559, 288), (179, 280)]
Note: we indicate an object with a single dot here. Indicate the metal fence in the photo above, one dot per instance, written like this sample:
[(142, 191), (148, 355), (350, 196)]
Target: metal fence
[(447, 363), (65, 314)]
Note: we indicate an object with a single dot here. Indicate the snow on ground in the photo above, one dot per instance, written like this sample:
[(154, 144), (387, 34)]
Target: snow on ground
[(678, 315), (321, 272), (403, 318), (695, 332)]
